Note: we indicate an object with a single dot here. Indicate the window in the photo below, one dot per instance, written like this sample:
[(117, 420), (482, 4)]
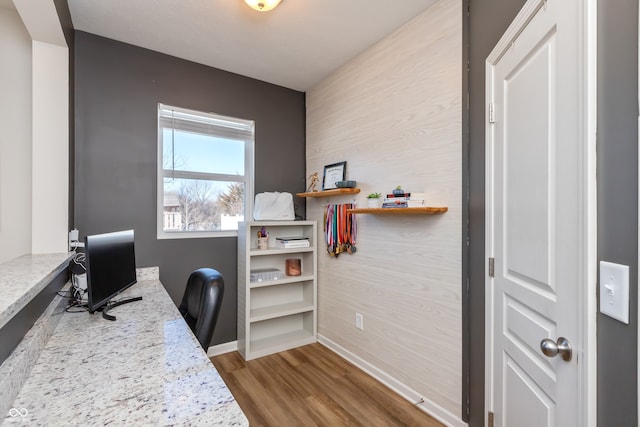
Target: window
[(205, 171)]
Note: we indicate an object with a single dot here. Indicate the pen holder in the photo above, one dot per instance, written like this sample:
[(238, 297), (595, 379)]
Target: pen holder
[(294, 267), (263, 242)]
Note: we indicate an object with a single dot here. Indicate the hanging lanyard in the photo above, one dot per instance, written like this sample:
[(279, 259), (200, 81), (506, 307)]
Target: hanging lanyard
[(340, 229)]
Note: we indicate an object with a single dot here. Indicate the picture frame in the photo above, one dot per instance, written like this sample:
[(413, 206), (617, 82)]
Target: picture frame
[(332, 174)]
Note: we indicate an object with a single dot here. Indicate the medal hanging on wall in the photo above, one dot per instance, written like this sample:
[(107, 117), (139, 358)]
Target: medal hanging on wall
[(340, 229)]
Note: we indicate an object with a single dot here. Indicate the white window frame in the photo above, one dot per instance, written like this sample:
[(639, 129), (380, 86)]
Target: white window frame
[(232, 125)]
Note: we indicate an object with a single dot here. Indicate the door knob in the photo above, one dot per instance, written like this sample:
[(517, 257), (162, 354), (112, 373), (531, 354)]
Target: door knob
[(552, 349)]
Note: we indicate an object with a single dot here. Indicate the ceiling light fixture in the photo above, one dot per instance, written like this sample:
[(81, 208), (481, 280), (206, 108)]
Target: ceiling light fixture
[(262, 5)]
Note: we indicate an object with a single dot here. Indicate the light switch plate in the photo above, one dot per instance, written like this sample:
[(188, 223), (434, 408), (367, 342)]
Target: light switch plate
[(614, 291)]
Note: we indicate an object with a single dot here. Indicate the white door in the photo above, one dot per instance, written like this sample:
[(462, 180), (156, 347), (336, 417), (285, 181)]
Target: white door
[(536, 218)]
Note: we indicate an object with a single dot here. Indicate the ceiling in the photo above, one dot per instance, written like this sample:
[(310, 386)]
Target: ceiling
[(295, 45)]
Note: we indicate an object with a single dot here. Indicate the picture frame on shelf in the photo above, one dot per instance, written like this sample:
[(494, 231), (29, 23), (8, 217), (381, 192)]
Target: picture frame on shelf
[(332, 174)]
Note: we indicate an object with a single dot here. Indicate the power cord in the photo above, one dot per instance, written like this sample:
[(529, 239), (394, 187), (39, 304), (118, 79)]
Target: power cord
[(78, 292)]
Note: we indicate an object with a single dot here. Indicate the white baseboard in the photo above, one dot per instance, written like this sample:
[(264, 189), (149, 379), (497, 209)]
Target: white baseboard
[(219, 349), (431, 408)]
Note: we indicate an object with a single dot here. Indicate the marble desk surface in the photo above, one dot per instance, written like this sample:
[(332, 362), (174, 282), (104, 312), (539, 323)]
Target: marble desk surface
[(145, 368), (24, 277)]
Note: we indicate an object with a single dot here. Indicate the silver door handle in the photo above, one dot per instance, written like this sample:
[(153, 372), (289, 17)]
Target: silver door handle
[(552, 349)]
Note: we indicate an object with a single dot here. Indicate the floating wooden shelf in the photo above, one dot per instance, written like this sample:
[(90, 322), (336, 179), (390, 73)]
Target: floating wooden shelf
[(328, 193), (424, 210)]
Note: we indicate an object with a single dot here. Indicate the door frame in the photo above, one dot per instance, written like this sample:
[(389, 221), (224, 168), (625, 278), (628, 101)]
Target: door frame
[(587, 298)]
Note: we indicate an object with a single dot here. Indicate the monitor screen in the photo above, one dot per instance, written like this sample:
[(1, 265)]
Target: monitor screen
[(111, 266)]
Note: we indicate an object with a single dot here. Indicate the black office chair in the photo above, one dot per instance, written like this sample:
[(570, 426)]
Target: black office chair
[(201, 303)]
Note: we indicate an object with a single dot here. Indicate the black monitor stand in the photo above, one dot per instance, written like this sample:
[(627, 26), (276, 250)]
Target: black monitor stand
[(106, 308)]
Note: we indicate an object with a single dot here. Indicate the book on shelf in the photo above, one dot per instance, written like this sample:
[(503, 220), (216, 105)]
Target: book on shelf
[(406, 200), (292, 242), (399, 200), (395, 205)]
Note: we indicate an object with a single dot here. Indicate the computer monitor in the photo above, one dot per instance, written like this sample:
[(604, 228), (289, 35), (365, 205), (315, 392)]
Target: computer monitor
[(111, 268)]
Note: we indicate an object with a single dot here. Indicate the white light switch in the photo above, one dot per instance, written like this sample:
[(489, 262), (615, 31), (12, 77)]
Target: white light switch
[(614, 291)]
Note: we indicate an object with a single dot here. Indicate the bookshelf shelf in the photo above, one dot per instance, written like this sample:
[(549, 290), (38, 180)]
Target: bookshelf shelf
[(424, 210), (276, 315), (329, 193)]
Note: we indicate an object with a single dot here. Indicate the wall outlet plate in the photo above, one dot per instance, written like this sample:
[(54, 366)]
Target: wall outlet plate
[(614, 291), (359, 321)]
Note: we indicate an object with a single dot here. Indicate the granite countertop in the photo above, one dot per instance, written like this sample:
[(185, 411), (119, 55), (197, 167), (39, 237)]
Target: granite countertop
[(146, 368), (24, 277)]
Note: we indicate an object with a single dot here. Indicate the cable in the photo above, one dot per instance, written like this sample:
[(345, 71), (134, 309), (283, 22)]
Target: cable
[(80, 258), (83, 308), (70, 294)]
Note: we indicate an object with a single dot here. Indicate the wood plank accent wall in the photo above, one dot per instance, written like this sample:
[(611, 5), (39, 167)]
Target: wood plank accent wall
[(394, 114)]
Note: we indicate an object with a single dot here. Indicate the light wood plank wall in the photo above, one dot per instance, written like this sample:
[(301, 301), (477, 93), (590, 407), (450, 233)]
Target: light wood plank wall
[(394, 114)]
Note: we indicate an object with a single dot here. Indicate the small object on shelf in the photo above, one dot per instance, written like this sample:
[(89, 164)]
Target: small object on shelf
[(346, 184), (294, 267), (373, 200), (263, 242), (314, 181), (263, 238), (292, 242), (373, 203), (398, 191), (265, 274)]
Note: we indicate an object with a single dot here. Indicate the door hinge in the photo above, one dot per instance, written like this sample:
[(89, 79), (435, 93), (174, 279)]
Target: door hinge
[(492, 113), (490, 418), (491, 267)]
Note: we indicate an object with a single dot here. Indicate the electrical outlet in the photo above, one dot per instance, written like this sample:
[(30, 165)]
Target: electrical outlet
[(359, 321)]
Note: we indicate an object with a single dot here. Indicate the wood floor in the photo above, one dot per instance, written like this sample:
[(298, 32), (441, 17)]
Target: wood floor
[(312, 386)]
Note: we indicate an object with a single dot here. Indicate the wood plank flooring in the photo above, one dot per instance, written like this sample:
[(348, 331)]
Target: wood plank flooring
[(313, 386)]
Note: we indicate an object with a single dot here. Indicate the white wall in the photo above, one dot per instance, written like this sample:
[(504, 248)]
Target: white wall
[(34, 150), (15, 139), (50, 161), (394, 114)]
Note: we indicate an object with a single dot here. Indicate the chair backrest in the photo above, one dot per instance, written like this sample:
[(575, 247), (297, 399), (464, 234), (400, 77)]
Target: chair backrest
[(201, 303)]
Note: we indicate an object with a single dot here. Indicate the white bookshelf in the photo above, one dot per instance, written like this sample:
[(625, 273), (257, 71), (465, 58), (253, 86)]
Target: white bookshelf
[(276, 315)]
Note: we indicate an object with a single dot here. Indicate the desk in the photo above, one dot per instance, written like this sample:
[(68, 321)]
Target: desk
[(146, 368)]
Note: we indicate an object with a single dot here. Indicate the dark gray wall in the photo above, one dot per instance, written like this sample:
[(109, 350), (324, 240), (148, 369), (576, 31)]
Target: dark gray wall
[(64, 15), (618, 202), (617, 193), (117, 88), (488, 20)]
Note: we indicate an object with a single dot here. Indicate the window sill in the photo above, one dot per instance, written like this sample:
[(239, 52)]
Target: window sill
[(196, 234)]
